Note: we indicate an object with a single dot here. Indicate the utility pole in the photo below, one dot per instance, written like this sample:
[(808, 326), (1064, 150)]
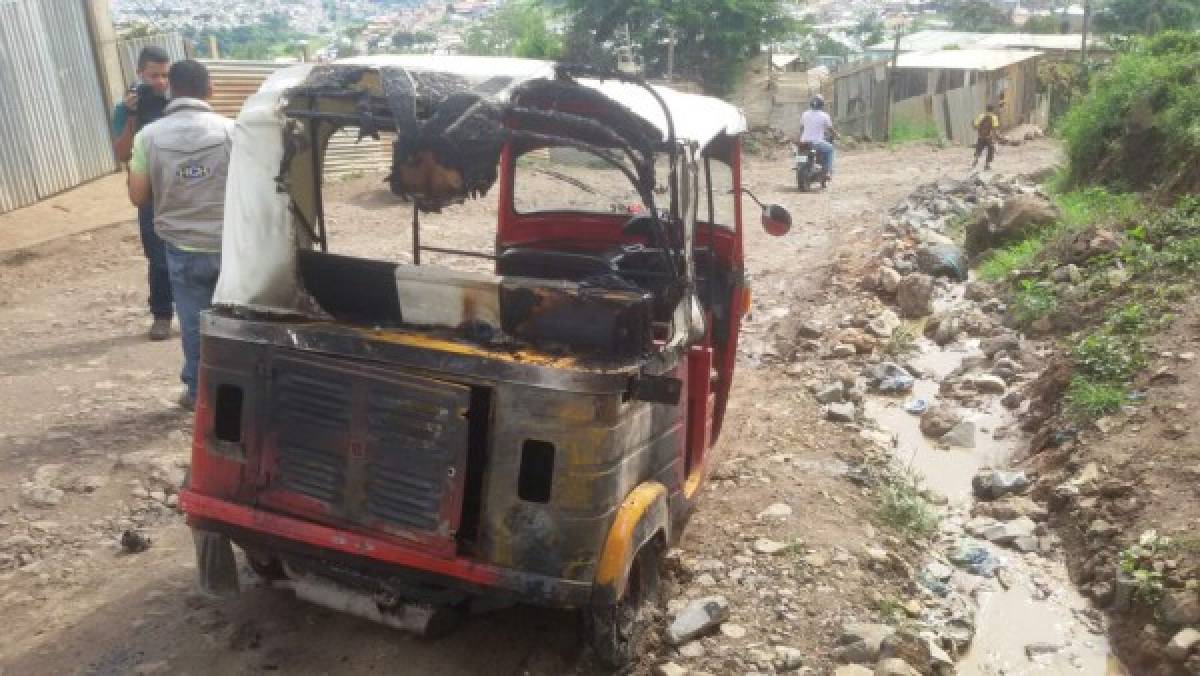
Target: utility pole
[(1083, 47), (891, 85), (670, 54)]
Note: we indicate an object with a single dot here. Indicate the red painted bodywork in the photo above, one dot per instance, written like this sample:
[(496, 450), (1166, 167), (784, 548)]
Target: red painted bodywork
[(219, 491)]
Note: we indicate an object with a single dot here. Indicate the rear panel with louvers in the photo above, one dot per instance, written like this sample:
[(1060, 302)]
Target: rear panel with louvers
[(356, 444)]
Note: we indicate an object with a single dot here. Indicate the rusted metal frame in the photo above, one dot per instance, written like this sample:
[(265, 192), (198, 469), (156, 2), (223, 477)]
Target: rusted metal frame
[(568, 71), (459, 252), (318, 197), (480, 369), (416, 234), (210, 511), (640, 157), (712, 228)]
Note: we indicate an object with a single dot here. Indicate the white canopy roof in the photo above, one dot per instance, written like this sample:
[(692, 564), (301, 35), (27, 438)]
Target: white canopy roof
[(258, 262)]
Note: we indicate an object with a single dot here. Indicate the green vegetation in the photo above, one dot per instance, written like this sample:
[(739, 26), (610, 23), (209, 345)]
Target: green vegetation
[(518, 28), (1142, 562), (713, 38), (905, 130), (1138, 129), (1033, 301), (1148, 16), (1002, 263), (903, 506), (1088, 400), (902, 342), (272, 37), (978, 16)]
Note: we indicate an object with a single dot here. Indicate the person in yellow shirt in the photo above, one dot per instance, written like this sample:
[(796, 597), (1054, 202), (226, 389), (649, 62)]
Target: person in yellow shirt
[(987, 125)]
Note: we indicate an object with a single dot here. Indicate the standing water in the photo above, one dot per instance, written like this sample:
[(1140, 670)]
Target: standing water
[(1030, 618)]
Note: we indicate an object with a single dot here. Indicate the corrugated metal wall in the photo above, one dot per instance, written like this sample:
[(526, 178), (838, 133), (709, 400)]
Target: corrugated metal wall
[(131, 48), (235, 81), (52, 114)]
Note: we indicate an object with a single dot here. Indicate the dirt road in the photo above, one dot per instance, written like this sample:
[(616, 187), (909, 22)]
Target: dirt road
[(87, 408)]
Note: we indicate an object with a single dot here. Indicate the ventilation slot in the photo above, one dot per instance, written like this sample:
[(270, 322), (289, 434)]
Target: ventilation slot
[(228, 414), (537, 471)]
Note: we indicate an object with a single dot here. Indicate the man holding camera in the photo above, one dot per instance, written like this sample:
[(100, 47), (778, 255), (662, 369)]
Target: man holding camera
[(145, 102)]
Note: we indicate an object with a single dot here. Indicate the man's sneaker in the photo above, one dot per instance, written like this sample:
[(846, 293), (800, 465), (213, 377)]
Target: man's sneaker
[(160, 329), (187, 402)]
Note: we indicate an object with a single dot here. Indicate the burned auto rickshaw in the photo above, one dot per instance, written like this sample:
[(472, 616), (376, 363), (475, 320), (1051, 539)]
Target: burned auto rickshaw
[(409, 442)]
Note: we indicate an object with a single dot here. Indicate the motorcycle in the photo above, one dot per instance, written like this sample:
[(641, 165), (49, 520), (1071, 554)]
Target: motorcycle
[(808, 169)]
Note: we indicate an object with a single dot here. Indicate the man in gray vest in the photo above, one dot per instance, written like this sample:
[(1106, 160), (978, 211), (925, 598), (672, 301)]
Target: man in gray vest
[(180, 163)]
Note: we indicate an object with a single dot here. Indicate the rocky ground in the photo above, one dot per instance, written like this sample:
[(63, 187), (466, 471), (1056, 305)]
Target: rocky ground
[(813, 549)]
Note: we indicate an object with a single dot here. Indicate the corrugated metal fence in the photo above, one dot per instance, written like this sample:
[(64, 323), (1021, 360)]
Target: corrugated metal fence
[(53, 121), (235, 81), (131, 48)]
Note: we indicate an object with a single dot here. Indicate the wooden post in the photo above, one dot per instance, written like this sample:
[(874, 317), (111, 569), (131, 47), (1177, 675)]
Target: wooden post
[(213, 51), (1083, 46), (891, 86)]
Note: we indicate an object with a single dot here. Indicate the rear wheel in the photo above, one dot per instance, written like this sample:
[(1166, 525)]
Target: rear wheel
[(616, 630)]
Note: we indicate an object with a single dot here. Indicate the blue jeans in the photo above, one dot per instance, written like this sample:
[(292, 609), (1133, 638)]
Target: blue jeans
[(193, 280), (162, 305), (824, 155)]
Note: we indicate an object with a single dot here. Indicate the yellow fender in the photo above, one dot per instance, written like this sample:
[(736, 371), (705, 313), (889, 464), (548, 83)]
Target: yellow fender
[(640, 517)]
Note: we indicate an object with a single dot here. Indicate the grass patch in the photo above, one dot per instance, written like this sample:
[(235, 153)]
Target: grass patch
[(1033, 301), (1003, 262), (1089, 400), (903, 507), (1107, 357), (909, 130), (902, 341)]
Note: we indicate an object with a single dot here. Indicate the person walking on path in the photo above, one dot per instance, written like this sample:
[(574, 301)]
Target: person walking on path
[(143, 104), (180, 164), (987, 125)]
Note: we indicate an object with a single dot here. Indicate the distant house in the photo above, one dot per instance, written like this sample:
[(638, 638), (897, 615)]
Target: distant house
[(1057, 46), (944, 88)]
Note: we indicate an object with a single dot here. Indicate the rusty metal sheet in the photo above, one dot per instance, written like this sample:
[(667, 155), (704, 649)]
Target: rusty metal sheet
[(236, 81), (55, 124), (355, 443), (130, 49)]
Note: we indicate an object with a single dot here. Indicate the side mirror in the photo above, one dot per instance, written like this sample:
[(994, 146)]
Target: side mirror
[(776, 220)]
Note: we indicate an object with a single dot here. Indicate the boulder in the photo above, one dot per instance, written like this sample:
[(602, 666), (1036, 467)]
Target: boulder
[(852, 670), (861, 642), (908, 646), (942, 260), (698, 618), (888, 280), (915, 295), (961, 435), (840, 412), (979, 292), (990, 484), (1183, 644), (889, 378), (1011, 220), (894, 666), (989, 384), (1180, 607), (939, 420), (1089, 243)]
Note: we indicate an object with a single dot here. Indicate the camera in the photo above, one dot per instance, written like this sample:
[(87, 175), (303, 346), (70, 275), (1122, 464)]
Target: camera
[(151, 105)]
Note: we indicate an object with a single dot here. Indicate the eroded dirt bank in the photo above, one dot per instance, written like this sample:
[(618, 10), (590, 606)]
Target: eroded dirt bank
[(88, 413)]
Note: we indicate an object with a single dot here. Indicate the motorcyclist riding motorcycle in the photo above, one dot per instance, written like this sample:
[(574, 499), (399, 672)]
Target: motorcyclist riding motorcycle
[(817, 131)]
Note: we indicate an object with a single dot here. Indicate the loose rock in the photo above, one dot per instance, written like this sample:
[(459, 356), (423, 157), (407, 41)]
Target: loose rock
[(698, 618), (939, 420), (915, 295)]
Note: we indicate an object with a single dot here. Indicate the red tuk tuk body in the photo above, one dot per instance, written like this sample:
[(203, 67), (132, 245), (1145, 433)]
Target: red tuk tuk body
[(389, 455)]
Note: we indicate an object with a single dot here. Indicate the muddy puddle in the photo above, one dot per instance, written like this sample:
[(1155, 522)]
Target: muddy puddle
[(1030, 618)]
